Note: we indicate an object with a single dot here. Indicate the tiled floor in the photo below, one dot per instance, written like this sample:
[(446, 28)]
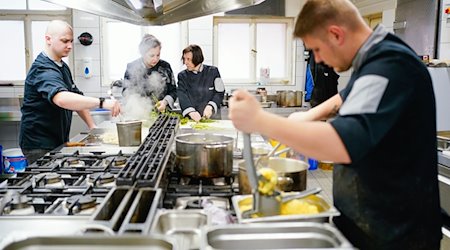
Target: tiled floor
[(323, 179)]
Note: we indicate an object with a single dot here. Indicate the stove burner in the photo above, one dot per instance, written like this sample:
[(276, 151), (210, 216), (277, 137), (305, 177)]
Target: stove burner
[(81, 202), (101, 178), (52, 178), (49, 180), (19, 202), (18, 205), (74, 162), (118, 161)]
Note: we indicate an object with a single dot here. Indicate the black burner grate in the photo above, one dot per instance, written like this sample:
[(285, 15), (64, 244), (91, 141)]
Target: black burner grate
[(145, 166)]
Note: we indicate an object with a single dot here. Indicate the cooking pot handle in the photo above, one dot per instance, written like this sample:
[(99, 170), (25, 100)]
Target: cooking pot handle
[(286, 182)]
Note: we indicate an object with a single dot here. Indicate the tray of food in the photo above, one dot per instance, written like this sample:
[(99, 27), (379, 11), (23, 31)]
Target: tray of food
[(312, 208)]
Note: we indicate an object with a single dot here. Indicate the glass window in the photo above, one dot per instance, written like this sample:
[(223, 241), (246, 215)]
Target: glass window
[(271, 47), (13, 5), (12, 64), (38, 36), (228, 47), (25, 40), (121, 46), (263, 43)]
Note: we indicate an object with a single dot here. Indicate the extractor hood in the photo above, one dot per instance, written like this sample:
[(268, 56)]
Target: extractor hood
[(154, 12)]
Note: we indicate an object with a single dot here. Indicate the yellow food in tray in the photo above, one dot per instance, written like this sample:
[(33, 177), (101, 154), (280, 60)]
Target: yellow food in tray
[(298, 206), (303, 206)]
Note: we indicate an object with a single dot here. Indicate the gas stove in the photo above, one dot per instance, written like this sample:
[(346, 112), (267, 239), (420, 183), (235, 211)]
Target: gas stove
[(69, 181), (62, 184), (183, 192)]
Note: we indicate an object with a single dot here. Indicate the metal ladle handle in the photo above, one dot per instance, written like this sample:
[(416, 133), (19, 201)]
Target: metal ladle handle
[(249, 163), (301, 194)]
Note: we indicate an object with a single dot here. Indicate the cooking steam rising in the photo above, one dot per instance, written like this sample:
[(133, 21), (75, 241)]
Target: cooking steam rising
[(138, 98)]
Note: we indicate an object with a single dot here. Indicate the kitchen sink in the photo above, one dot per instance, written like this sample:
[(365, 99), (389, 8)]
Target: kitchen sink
[(295, 235), (183, 225)]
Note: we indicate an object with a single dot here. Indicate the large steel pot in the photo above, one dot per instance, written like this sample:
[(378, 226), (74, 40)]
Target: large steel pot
[(204, 155), (291, 174), (289, 98)]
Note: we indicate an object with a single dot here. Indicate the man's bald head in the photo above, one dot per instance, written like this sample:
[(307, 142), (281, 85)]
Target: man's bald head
[(56, 27), (59, 39)]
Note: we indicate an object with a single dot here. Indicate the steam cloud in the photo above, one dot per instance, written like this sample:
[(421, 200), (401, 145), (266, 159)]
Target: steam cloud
[(136, 104)]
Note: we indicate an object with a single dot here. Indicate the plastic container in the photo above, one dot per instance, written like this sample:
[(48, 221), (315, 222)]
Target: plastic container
[(326, 165), (129, 133), (14, 161), (312, 164)]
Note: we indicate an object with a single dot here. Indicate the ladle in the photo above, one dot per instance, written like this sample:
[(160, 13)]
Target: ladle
[(252, 175), (265, 205)]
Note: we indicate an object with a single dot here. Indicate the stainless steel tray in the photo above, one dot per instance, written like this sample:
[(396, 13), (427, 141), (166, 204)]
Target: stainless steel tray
[(183, 225), (92, 242), (326, 212), (297, 235)]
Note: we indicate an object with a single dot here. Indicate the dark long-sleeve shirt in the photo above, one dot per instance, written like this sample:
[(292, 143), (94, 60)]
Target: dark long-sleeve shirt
[(198, 89)]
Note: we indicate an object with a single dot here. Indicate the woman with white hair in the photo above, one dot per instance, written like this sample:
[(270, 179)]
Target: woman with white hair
[(150, 76)]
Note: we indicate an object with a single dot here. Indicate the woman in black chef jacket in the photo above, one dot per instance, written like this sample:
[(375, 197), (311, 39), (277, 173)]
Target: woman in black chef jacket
[(200, 87), (151, 77)]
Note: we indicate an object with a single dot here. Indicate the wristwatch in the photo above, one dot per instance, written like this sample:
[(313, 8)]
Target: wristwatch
[(102, 99)]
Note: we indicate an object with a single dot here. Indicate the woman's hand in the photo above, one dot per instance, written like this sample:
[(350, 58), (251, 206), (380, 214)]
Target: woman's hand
[(195, 116), (207, 113), (161, 105)]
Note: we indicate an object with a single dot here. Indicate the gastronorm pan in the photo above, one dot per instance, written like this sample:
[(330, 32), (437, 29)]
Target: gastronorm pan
[(297, 235), (93, 242), (183, 225), (326, 211)]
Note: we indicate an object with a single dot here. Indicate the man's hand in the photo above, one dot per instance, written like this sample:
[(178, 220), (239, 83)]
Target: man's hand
[(195, 116), (112, 105), (245, 111), (207, 113), (161, 105)]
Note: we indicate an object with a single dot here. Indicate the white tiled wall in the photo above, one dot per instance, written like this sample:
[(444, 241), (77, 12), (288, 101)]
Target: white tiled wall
[(85, 22)]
